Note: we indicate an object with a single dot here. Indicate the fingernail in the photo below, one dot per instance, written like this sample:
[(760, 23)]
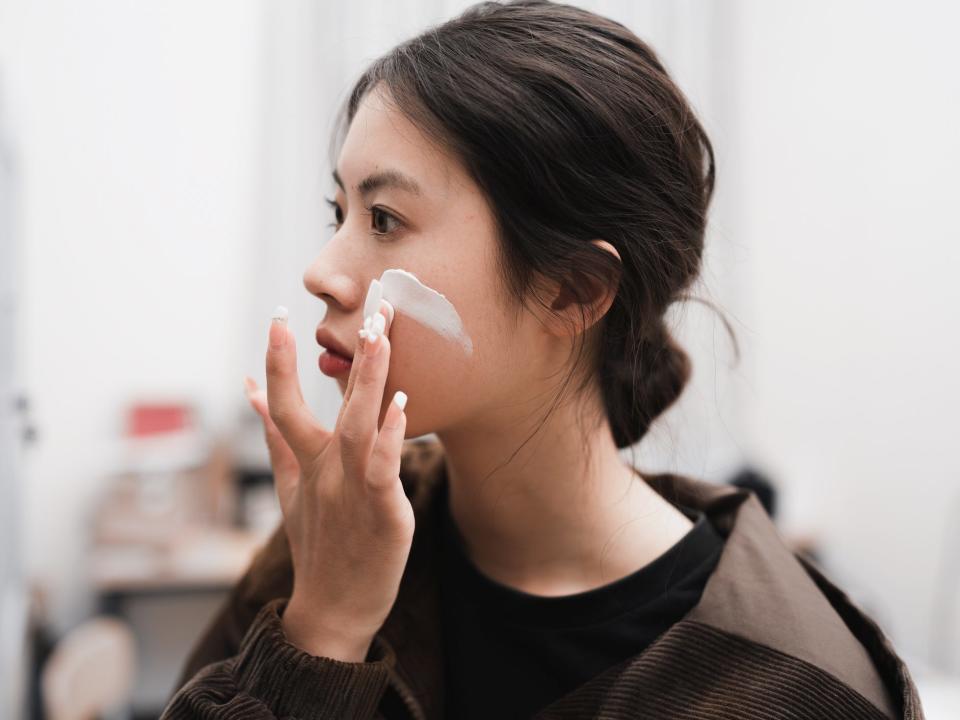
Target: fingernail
[(390, 313), (372, 302), (248, 385), (371, 308), (400, 398), (278, 328)]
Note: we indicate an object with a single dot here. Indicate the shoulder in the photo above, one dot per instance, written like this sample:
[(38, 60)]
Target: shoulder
[(780, 616), (711, 672)]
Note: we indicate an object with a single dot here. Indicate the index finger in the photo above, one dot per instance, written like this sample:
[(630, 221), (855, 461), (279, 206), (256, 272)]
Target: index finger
[(302, 431)]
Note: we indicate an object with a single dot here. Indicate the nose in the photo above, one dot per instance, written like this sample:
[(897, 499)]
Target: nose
[(328, 282)]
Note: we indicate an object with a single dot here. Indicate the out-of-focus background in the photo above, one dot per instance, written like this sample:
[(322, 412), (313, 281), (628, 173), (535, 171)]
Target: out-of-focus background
[(162, 167)]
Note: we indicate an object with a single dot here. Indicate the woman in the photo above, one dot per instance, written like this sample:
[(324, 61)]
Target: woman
[(520, 195)]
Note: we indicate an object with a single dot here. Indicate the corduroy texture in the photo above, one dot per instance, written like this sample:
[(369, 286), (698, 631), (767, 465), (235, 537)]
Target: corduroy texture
[(696, 672), (876, 642), (269, 576), (271, 678)]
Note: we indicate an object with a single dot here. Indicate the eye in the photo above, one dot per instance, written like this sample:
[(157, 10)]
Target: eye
[(381, 221), (337, 213), (384, 223)]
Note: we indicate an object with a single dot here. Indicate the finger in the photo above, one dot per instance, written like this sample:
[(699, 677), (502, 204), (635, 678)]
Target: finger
[(301, 430), (383, 471), (372, 304), (286, 469), (360, 415), (386, 309)]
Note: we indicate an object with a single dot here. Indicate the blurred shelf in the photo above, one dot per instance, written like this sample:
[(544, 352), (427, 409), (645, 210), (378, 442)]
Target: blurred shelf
[(196, 557)]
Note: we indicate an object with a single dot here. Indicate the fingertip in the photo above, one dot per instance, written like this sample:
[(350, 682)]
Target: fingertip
[(278, 333), (258, 401), (252, 399), (395, 417)]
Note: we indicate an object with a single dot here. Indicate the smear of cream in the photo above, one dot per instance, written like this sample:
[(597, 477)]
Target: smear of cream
[(425, 305)]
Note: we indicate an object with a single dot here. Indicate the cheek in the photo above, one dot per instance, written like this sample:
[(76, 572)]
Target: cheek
[(445, 384), (446, 375), (435, 372)]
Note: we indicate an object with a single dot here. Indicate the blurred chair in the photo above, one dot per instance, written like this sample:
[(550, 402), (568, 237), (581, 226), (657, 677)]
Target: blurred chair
[(762, 486), (90, 672)]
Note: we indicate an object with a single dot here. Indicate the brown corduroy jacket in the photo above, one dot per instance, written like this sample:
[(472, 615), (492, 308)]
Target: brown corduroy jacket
[(771, 637)]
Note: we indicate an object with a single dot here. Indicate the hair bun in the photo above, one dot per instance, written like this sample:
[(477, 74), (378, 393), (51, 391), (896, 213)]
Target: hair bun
[(642, 394)]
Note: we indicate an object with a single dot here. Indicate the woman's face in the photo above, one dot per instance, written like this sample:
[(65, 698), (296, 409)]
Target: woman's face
[(443, 233)]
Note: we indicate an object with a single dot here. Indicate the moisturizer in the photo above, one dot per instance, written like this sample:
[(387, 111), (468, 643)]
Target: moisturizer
[(425, 305)]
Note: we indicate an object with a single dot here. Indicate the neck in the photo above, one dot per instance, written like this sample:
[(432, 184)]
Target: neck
[(564, 515)]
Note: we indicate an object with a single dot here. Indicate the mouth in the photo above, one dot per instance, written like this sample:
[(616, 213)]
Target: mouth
[(326, 340), (336, 358)]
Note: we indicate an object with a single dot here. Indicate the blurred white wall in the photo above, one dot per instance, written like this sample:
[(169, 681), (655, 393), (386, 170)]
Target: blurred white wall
[(138, 131), (845, 182), (174, 157), (13, 591)]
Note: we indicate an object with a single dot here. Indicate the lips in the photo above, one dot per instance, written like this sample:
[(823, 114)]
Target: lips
[(326, 339)]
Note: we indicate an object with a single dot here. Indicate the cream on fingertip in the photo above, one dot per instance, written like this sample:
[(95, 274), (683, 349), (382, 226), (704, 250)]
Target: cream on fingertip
[(400, 398), (373, 327)]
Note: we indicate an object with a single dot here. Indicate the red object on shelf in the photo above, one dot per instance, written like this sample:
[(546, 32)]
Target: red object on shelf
[(155, 418)]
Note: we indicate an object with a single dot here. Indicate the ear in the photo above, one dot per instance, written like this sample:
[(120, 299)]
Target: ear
[(599, 299)]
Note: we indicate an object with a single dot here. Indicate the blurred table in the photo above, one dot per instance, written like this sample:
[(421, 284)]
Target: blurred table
[(168, 589), (194, 557)]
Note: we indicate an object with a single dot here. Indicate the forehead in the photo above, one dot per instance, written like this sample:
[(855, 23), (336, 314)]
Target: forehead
[(381, 137)]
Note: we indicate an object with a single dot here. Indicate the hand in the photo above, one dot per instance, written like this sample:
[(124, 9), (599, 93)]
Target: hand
[(348, 521)]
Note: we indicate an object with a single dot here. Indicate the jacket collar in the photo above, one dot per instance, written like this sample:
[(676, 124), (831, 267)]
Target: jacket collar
[(760, 591)]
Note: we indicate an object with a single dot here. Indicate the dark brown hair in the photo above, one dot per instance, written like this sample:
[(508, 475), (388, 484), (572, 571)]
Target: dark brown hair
[(574, 131)]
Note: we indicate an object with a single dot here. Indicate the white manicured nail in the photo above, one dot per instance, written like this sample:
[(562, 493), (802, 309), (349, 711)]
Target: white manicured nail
[(372, 303), (390, 312)]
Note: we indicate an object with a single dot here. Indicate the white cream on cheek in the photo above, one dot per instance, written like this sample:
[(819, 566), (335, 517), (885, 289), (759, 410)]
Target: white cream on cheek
[(425, 305)]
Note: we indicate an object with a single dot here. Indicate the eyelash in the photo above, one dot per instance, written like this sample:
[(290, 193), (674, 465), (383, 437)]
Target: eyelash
[(369, 211)]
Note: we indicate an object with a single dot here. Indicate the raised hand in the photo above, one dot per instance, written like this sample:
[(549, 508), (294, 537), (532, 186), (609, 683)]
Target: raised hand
[(348, 521)]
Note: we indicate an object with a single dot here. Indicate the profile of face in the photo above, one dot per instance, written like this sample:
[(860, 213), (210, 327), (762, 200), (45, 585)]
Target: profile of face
[(437, 225)]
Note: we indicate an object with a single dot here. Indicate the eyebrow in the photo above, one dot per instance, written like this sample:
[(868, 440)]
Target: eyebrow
[(384, 178)]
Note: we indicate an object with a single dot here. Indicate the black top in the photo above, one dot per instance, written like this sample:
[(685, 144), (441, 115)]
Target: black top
[(535, 649)]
